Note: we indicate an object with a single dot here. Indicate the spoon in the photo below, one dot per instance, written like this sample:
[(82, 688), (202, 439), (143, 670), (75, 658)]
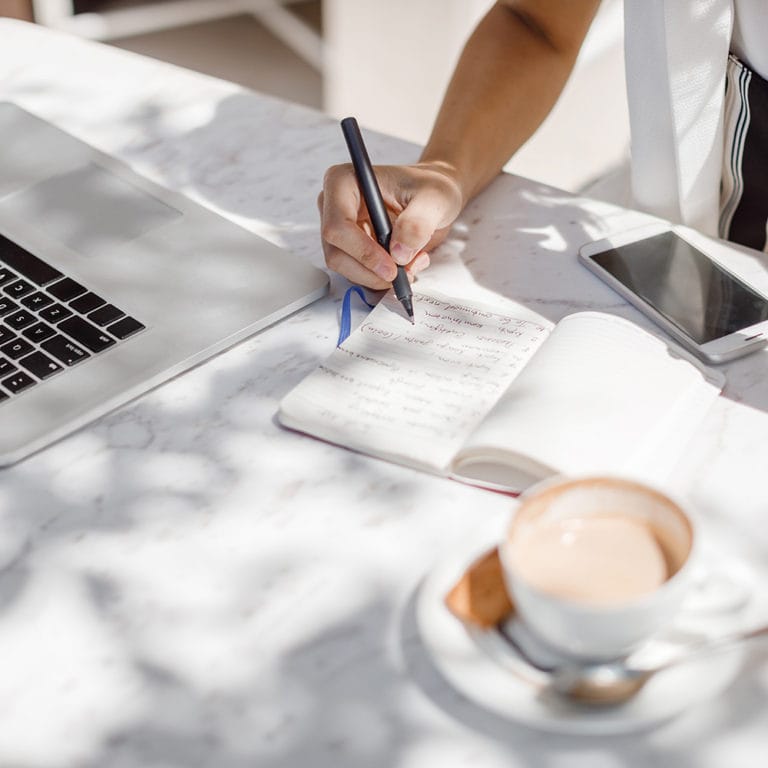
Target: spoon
[(614, 682)]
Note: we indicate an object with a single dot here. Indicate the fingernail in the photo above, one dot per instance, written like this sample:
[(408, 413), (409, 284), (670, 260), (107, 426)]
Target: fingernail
[(420, 262), (385, 270), (402, 254)]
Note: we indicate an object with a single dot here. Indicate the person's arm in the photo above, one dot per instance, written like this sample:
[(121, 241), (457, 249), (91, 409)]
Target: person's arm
[(509, 76)]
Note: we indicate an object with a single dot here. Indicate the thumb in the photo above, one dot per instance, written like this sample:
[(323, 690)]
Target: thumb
[(414, 227)]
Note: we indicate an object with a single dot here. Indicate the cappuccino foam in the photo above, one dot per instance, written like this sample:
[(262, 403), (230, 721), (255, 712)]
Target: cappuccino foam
[(603, 559)]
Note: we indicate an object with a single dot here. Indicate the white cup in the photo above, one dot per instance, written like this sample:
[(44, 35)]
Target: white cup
[(597, 626)]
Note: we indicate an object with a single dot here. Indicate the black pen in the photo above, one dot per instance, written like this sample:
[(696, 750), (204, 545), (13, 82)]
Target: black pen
[(375, 205)]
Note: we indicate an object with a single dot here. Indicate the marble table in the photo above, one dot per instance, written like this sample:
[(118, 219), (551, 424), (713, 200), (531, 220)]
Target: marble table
[(184, 583)]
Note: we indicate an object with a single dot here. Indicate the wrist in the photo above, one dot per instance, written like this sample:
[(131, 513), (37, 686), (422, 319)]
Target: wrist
[(450, 171)]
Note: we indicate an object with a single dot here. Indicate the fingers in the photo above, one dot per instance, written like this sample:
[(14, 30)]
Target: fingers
[(414, 229), (418, 264), (353, 270), (426, 203), (342, 235)]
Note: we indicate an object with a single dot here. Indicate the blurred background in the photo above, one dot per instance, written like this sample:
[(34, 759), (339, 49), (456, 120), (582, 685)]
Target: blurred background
[(385, 61)]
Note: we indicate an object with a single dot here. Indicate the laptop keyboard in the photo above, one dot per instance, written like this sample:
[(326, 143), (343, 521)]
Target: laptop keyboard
[(49, 322)]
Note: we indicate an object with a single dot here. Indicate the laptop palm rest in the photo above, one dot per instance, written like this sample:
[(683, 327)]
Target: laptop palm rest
[(89, 209)]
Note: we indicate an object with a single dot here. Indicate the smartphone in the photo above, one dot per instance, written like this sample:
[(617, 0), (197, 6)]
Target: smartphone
[(709, 310)]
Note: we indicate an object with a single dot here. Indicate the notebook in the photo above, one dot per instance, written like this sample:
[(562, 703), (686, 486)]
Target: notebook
[(502, 401), (111, 284)]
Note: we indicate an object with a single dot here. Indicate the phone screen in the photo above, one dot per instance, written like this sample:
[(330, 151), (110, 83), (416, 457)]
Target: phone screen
[(685, 286)]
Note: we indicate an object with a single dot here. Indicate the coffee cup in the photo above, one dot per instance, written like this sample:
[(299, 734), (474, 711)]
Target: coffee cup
[(596, 566)]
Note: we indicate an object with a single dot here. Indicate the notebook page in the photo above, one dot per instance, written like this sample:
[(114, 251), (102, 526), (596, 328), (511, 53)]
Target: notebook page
[(601, 396), (413, 393)]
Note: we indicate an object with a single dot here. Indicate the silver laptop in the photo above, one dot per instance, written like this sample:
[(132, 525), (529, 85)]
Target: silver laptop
[(110, 284)]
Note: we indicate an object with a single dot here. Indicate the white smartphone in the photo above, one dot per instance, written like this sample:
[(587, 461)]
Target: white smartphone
[(709, 310)]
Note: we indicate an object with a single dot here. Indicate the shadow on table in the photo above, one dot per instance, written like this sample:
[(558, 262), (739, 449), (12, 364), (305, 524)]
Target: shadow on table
[(340, 699), (331, 700), (118, 651), (164, 466), (358, 689), (519, 238)]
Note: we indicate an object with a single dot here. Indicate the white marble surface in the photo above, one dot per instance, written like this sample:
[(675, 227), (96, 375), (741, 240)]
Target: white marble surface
[(185, 584)]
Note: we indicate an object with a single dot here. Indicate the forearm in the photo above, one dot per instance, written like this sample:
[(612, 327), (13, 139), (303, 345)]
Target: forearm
[(509, 76)]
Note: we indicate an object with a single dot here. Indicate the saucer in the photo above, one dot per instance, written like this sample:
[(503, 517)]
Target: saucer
[(487, 669)]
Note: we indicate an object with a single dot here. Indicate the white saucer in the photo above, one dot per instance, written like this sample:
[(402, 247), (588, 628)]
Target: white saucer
[(487, 670)]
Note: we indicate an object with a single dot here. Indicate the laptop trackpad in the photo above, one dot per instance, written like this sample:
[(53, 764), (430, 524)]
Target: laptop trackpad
[(89, 209)]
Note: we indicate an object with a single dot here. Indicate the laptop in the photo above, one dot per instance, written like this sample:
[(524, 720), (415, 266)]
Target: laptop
[(110, 284)]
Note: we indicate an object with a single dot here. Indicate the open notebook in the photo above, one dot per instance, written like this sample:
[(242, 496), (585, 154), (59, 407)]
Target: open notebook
[(502, 402)]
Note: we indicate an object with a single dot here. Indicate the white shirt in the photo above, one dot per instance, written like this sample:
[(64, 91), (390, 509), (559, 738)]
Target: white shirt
[(676, 53), (749, 40)]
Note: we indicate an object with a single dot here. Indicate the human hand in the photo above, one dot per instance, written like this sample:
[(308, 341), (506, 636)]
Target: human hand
[(423, 201)]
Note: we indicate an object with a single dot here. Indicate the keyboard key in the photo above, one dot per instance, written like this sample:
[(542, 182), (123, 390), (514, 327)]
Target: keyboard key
[(125, 328), (17, 382), (66, 289), (16, 349), (85, 333), (41, 365), (3, 396), (6, 275), (86, 303), (20, 319), (7, 306), (38, 332), (25, 263), (105, 314), (6, 334), (36, 300), (55, 313), (65, 350), (19, 288), (6, 367)]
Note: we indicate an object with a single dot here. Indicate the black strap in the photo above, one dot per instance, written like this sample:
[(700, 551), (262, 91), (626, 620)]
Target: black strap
[(744, 202)]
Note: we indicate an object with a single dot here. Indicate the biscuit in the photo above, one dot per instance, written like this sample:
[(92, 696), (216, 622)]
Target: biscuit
[(479, 596)]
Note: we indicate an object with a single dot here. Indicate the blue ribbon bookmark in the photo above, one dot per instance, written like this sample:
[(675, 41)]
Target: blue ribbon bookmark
[(345, 324)]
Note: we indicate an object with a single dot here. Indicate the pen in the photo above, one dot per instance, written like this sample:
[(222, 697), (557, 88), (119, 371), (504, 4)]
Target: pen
[(375, 205)]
